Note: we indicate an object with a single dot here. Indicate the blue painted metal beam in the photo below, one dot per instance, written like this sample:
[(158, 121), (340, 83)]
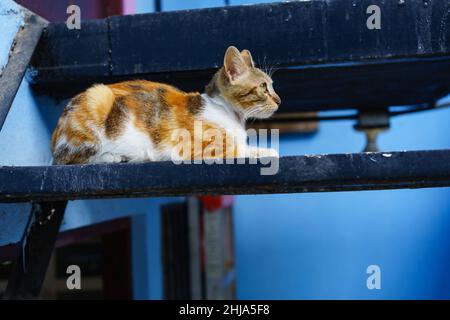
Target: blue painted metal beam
[(29, 269), (22, 30), (318, 173)]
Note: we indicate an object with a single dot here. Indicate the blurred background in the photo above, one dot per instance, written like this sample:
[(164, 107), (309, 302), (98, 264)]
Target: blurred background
[(294, 246)]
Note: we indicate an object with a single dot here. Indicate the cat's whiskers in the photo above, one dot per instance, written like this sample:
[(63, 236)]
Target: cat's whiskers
[(272, 70), (249, 114)]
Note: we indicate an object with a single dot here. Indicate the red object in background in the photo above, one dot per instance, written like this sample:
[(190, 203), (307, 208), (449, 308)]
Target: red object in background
[(55, 10), (213, 203)]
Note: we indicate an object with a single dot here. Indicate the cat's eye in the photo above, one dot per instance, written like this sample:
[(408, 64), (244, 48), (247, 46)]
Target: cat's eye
[(264, 86)]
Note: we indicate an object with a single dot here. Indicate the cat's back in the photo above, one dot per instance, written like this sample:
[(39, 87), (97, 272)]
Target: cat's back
[(96, 103)]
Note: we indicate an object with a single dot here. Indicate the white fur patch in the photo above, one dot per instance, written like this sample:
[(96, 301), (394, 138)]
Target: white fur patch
[(220, 113), (132, 144)]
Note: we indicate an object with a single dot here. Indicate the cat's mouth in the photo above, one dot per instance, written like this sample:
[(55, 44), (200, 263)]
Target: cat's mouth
[(264, 112)]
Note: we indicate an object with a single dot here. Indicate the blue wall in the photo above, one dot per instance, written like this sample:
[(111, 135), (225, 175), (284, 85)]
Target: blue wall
[(318, 246), (12, 20), (143, 6)]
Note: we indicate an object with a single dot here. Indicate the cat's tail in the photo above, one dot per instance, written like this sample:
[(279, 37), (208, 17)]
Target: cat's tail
[(100, 98), (75, 139)]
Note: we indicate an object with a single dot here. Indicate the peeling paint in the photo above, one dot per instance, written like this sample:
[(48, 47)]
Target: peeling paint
[(30, 74), (11, 20)]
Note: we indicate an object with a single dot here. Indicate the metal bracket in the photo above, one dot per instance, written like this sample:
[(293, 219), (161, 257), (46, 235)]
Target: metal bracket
[(29, 269), (20, 55), (372, 123)]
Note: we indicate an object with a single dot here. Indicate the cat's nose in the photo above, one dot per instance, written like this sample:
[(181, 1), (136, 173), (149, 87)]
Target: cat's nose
[(276, 98)]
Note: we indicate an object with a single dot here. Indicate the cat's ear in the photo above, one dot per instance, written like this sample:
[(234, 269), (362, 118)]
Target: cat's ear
[(247, 56), (234, 64)]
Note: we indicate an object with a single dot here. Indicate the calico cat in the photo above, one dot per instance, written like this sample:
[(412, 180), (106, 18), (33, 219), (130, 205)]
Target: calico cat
[(133, 121)]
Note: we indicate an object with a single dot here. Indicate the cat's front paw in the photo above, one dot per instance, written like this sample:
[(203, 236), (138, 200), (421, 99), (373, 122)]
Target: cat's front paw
[(263, 153), (268, 153), (111, 158)]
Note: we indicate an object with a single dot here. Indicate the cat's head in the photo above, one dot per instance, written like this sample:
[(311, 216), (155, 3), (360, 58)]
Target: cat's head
[(248, 89)]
